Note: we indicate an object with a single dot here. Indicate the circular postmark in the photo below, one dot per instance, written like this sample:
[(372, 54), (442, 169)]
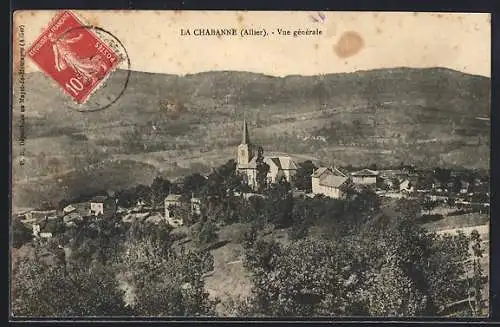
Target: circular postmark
[(114, 83)]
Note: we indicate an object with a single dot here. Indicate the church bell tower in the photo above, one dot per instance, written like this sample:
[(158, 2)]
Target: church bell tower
[(245, 149)]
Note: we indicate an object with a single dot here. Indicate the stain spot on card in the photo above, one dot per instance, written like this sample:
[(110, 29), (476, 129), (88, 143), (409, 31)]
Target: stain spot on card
[(378, 30), (240, 18), (349, 44), (172, 108), (415, 13), (316, 46)]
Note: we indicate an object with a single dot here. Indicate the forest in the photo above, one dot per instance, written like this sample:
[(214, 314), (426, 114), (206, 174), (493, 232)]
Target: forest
[(343, 258)]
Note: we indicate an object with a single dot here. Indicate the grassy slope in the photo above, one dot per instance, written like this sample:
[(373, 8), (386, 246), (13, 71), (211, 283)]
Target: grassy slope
[(421, 116)]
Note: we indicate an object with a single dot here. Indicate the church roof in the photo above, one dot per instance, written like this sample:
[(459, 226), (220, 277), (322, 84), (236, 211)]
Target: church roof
[(365, 172), (246, 136), (281, 162)]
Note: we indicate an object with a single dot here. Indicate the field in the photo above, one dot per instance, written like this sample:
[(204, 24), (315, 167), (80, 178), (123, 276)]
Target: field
[(426, 117)]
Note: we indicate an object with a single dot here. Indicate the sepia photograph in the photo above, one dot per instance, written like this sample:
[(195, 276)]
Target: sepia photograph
[(250, 164)]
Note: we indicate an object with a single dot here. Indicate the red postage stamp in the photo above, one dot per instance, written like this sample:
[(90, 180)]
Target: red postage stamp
[(73, 55)]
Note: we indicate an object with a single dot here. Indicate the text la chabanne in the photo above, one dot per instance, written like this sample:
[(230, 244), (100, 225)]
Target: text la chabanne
[(247, 32)]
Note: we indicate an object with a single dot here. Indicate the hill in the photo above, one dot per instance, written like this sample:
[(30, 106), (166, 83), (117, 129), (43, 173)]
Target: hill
[(426, 117)]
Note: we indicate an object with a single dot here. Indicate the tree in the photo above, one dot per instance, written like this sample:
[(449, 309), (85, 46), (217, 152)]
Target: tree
[(142, 193), (457, 185), (193, 184), (395, 183), (58, 291), (166, 282), (442, 175), (20, 234), (303, 175), (307, 277), (262, 170), (393, 294), (478, 281), (279, 204), (207, 233), (159, 190), (429, 205)]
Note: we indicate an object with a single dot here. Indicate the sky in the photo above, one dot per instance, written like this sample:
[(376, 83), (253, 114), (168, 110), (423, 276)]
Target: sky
[(350, 41)]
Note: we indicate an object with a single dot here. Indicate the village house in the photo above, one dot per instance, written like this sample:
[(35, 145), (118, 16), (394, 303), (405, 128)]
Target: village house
[(279, 166), (102, 205), (365, 177), (71, 217), (68, 209), (406, 186), (172, 201), (172, 204), (330, 182), (36, 230)]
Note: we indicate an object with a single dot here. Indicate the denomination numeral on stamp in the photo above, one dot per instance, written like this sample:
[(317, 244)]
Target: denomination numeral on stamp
[(74, 85)]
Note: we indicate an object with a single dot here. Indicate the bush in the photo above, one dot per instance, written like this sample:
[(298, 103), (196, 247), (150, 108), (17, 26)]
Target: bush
[(207, 234), (20, 234), (429, 218)]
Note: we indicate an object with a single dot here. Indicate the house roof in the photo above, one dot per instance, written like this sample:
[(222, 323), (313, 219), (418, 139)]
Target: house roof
[(173, 198), (275, 161), (72, 216), (328, 170), (318, 172), (69, 208), (366, 172), (99, 198)]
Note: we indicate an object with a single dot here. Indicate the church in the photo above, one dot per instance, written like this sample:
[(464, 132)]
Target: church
[(246, 164)]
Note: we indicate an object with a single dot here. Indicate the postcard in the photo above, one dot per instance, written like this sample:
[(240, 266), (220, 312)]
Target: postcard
[(250, 164)]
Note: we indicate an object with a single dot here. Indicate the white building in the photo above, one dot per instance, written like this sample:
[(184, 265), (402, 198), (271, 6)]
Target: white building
[(102, 205), (173, 201), (406, 186), (97, 205), (279, 166), (330, 182), (365, 177), (69, 209), (36, 230)]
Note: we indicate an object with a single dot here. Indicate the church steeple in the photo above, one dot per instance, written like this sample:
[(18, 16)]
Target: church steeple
[(246, 138), (245, 149)]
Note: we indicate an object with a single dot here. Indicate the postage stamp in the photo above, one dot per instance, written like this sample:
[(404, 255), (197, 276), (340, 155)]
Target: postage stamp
[(75, 57)]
